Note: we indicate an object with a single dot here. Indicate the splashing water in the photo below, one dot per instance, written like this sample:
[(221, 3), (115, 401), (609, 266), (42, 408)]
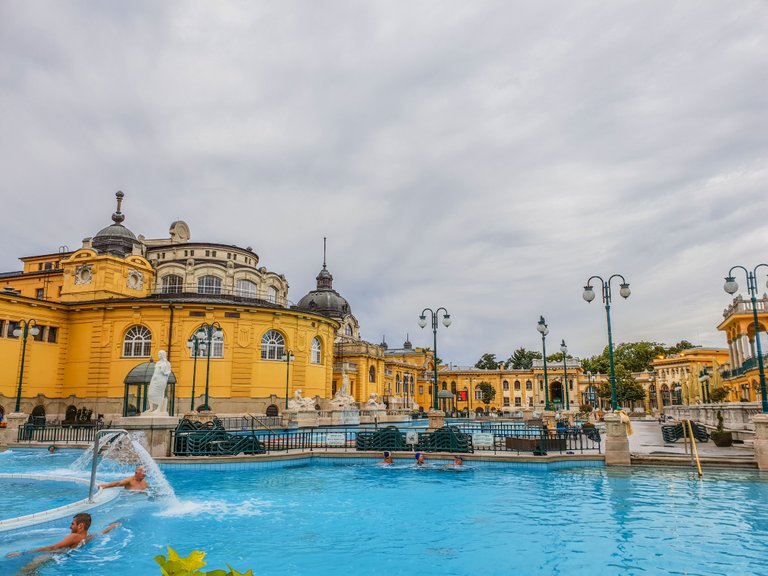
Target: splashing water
[(120, 454)]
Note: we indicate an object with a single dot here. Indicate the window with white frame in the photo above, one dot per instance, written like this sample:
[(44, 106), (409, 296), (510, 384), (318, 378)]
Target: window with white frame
[(272, 345), (209, 285), (172, 284), (217, 346), (317, 351), (272, 294), (246, 289), (137, 342)]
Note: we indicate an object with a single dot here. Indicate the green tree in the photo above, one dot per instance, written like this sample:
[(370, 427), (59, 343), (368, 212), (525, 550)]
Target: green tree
[(719, 394), (488, 393), (627, 388), (679, 347), (522, 359), (487, 362)]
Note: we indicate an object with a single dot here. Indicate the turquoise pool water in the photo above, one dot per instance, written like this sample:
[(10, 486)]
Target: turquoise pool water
[(364, 518), (22, 496)]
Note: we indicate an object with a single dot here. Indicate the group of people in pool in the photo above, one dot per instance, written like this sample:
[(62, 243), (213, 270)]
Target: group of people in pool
[(419, 456), (78, 529)]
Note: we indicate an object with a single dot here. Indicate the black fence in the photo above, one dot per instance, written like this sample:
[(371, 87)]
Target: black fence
[(216, 439), (56, 434)]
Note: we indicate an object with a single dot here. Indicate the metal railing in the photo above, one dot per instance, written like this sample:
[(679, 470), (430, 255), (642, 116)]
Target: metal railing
[(55, 434), (498, 439), (251, 422)]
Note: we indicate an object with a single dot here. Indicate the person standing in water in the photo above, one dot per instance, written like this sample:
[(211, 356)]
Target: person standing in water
[(136, 482)]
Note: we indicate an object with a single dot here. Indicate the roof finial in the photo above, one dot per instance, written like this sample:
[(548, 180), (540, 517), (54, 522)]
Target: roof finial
[(118, 216), (323, 252)]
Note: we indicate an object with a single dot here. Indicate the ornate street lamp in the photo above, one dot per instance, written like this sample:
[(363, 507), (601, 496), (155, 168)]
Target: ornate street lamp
[(196, 345), (564, 350), (26, 327), (206, 333), (543, 330), (731, 287), (423, 323), (589, 295), (288, 357)]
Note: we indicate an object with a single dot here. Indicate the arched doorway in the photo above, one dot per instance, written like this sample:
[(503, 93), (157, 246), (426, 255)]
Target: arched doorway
[(654, 403), (666, 398), (272, 411), (38, 415)]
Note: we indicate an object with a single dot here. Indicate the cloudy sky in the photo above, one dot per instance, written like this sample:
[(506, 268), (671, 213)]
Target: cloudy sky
[(487, 157)]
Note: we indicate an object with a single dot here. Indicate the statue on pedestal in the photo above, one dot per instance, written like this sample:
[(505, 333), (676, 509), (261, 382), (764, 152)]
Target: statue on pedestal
[(343, 399), (373, 403), (158, 404), (301, 404)]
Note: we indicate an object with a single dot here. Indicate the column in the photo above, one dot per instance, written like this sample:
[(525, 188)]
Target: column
[(616, 441)]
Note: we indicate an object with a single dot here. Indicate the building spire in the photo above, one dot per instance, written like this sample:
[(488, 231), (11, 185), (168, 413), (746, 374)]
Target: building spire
[(324, 279), (118, 216), (323, 252)]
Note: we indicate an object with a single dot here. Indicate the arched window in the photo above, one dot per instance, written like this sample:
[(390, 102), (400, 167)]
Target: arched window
[(348, 330), (528, 385), (317, 351), (137, 342), (272, 294), (372, 374), (453, 387), (172, 284), (209, 285), (666, 399), (652, 395), (517, 384), (217, 346), (505, 385), (272, 411), (397, 384), (272, 346), (246, 289)]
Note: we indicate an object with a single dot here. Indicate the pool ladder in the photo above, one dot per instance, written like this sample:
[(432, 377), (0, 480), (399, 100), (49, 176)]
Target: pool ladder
[(688, 434)]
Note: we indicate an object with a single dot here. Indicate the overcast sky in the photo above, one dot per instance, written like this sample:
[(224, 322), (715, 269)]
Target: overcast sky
[(487, 157)]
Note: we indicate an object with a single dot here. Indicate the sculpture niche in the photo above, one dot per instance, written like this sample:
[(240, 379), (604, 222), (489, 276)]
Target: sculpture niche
[(301, 404), (158, 403)]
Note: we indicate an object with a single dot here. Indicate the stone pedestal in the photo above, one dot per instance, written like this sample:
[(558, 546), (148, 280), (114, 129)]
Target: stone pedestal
[(527, 414), (616, 441), (761, 440), (345, 417), (305, 419), (549, 418), (376, 416), (13, 421), (436, 420), (157, 431)]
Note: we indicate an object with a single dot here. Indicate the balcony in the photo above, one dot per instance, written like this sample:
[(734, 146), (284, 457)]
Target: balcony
[(193, 292)]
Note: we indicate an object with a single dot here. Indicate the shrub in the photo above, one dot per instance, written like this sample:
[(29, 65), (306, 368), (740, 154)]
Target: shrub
[(175, 565)]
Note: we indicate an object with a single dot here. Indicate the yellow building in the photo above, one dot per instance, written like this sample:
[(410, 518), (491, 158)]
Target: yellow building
[(685, 378), (742, 375)]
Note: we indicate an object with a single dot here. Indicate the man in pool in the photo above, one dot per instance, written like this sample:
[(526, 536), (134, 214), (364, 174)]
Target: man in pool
[(419, 459), (136, 482), (458, 460), (78, 535), (387, 458)]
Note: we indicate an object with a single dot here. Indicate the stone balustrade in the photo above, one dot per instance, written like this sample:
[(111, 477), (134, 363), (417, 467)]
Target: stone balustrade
[(737, 416)]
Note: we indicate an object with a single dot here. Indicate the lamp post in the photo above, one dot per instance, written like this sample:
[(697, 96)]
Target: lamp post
[(589, 295), (446, 323), (731, 287), (288, 357), (542, 328), (206, 332), (26, 327), (470, 390), (196, 346), (564, 350)]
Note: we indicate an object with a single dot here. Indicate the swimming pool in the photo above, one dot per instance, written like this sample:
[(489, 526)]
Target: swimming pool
[(332, 517)]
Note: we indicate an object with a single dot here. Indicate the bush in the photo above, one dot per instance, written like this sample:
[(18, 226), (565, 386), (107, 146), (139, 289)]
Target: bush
[(175, 565), (586, 408)]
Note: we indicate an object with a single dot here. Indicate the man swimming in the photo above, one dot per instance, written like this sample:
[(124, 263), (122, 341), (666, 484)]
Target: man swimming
[(78, 535), (136, 482)]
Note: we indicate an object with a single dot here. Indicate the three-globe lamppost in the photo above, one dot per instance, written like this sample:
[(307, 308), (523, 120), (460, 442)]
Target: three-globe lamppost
[(589, 295), (196, 345), (543, 330), (731, 286), (564, 350), (288, 357), (423, 323), (205, 334), (26, 327)]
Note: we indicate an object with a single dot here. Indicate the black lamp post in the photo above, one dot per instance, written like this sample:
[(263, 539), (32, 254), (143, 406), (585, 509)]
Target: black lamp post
[(542, 328), (731, 287), (26, 327), (446, 323), (589, 295), (206, 332), (196, 345), (564, 350), (288, 357)]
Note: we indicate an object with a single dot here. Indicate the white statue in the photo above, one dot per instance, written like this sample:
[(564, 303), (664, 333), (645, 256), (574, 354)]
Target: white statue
[(301, 404), (373, 403), (343, 399), (156, 392)]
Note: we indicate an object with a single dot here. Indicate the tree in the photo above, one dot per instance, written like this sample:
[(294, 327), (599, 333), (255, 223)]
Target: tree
[(679, 347), (627, 388), (487, 362), (522, 359), (719, 394), (488, 393)]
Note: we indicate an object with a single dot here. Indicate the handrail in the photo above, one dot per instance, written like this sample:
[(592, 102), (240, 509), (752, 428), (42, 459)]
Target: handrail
[(694, 450), (96, 455), (256, 419)]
